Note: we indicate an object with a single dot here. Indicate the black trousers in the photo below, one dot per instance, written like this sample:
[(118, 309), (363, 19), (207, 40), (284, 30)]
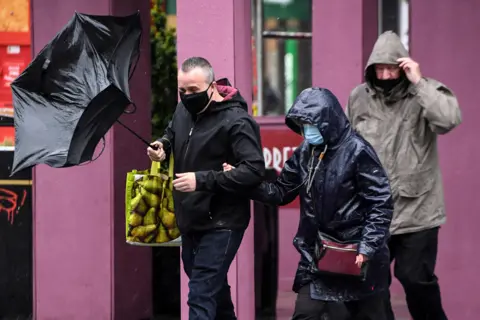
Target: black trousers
[(308, 309), (206, 259), (415, 256)]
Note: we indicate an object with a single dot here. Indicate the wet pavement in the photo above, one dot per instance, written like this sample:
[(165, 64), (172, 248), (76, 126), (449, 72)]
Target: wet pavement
[(286, 304)]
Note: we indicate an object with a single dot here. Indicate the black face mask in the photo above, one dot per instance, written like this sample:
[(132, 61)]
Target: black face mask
[(388, 85), (196, 102)]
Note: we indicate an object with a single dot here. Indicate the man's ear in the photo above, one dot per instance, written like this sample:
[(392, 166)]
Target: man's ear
[(214, 86)]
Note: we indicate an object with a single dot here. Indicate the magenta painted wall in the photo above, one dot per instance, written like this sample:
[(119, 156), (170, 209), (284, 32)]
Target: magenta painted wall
[(82, 267), (288, 256), (220, 31), (445, 41), (343, 36)]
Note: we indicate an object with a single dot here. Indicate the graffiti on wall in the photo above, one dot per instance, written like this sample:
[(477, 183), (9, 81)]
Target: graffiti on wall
[(11, 202)]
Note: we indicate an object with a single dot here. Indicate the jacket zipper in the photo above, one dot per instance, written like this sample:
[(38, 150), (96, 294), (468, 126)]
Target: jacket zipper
[(339, 249), (186, 151), (188, 141)]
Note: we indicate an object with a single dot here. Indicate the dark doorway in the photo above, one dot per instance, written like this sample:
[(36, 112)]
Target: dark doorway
[(265, 219), (166, 283), (16, 293)]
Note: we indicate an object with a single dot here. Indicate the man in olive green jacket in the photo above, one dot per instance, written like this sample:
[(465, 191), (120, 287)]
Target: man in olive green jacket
[(400, 113)]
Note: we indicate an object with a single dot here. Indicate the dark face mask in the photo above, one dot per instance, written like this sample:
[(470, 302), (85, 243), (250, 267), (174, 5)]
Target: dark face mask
[(388, 85), (196, 102)]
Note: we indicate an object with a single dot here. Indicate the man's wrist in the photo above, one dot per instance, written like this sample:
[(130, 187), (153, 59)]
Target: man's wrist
[(417, 87)]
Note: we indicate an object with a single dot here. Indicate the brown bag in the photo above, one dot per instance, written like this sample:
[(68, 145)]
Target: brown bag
[(337, 257)]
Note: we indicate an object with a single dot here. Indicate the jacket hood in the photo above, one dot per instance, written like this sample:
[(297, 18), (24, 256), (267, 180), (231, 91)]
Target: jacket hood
[(387, 49), (320, 107), (231, 97)]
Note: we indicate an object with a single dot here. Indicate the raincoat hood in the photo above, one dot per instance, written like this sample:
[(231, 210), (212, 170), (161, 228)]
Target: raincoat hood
[(320, 107), (387, 49)]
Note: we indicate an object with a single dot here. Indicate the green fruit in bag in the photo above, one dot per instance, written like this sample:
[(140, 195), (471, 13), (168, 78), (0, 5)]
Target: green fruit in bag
[(149, 238), (138, 205), (169, 197), (170, 206), (162, 235), (135, 220), (164, 203), (173, 233), (150, 217), (168, 219), (151, 184), (133, 239), (152, 200), (143, 231)]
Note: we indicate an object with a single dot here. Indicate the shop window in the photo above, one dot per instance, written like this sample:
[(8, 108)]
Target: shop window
[(394, 15), (286, 54)]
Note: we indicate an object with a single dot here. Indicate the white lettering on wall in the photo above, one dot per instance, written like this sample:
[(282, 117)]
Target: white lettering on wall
[(275, 157)]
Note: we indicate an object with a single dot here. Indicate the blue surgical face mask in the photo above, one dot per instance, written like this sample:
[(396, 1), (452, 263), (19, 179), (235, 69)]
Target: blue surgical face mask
[(312, 135)]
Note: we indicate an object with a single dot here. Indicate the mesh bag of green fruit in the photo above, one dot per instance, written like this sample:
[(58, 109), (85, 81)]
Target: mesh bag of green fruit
[(149, 214)]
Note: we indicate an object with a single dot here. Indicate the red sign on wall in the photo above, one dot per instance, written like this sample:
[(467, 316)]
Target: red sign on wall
[(14, 58), (10, 71), (279, 143), (7, 138)]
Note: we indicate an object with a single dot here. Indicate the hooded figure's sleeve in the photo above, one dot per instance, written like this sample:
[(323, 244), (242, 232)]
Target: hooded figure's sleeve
[(285, 189), (440, 106), (244, 136), (374, 190)]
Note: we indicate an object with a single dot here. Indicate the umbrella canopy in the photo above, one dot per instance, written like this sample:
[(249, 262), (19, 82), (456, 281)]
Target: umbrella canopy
[(74, 90)]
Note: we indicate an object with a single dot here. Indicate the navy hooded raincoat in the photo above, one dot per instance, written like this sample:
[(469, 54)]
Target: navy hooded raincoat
[(349, 200)]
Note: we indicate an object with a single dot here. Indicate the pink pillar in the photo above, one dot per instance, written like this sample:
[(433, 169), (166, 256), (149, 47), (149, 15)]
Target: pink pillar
[(343, 36), (220, 31), (442, 41), (83, 269)]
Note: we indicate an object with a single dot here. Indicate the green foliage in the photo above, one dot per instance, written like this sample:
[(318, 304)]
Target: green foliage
[(164, 69)]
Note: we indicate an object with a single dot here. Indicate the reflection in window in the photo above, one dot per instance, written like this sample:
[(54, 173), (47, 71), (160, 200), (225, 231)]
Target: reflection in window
[(285, 74), (286, 62)]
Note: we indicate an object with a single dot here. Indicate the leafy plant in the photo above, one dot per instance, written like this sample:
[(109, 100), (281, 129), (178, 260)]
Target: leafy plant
[(164, 68)]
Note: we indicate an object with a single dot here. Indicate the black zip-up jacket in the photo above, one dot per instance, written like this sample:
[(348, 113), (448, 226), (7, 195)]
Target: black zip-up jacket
[(225, 132)]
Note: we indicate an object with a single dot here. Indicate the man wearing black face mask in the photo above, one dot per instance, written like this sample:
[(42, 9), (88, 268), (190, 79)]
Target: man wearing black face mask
[(401, 114), (210, 126)]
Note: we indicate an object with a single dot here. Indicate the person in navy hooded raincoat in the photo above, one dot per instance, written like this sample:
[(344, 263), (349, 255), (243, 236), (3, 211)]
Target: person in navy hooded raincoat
[(346, 196)]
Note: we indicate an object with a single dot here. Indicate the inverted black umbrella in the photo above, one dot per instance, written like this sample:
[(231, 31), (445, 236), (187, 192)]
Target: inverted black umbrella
[(74, 90)]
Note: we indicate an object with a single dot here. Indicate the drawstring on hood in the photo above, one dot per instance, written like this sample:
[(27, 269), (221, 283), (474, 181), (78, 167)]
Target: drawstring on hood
[(313, 171)]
